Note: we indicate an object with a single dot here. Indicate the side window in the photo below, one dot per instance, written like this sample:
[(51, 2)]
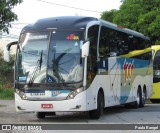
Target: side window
[(156, 68), (113, 42), (157, 55), (92, 58), (139, 43), (156, 62), (93, 37), (119, 42), (18, 63), (123, 42), (145, 56), (104, 42)]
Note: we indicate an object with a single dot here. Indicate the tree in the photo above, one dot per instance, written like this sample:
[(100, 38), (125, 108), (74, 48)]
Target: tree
[(150, 25), (108, 15), (6, 14), (140, 15)]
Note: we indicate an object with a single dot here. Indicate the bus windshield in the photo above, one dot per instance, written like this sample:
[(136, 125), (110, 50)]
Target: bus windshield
[(46, 57)]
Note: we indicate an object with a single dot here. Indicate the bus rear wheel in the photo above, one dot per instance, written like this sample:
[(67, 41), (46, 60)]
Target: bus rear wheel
[(144, 97), (140, 100), (95, 114), (40, 115)]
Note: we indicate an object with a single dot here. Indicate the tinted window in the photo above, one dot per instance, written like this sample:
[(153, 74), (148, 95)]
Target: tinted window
[(92, 58), (156, 67), (145, 56), (113, 42)]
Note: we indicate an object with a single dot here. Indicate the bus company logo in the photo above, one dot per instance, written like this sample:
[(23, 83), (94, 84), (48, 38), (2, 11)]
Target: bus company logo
[(72, 37), (56, 93), (128, 68)]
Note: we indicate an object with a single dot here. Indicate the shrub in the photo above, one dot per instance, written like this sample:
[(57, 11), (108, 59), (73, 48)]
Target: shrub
[(6, 69), (6, 77)]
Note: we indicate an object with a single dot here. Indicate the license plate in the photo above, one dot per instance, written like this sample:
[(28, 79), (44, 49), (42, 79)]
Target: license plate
[(46, 105), (37, 94)]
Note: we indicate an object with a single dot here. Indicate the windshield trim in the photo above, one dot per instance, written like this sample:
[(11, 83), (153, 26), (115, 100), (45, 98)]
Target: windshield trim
[(48, 86)]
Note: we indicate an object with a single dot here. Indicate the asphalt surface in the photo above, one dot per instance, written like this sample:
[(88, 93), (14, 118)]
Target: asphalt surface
[(150, 114)]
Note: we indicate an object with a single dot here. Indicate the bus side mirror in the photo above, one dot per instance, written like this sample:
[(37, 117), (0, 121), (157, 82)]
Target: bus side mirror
[(7, 51), (6, 54), (85, 49)]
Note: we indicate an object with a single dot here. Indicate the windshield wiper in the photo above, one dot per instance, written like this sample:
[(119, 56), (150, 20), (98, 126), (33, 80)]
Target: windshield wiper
[(56, 65), (36, 69)]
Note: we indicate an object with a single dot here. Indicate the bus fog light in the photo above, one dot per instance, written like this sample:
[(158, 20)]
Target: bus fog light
[(74, 93)]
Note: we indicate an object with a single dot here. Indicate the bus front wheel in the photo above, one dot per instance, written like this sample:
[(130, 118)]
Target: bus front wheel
[(95, 114)]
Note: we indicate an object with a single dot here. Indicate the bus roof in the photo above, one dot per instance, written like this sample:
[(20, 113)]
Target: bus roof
[(74, 23), (59, 23)]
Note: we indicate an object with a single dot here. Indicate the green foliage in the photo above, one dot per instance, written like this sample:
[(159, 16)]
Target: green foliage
[(6, 69), (6, 78), (140, 15), (6, 93), (108, 15), (6, 13)]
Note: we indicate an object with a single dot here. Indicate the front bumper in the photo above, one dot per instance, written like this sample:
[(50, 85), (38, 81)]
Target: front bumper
[(76, 104)]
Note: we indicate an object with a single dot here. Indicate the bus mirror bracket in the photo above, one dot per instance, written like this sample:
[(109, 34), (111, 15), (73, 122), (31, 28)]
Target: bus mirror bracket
[(85, 49), (7, 51)]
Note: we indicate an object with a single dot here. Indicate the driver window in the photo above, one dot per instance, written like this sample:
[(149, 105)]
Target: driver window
[(92, 58)]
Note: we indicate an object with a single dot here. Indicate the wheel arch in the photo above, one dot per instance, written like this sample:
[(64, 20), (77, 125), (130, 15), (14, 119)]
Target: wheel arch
[(139, 89), (145, 90), (101, 90)]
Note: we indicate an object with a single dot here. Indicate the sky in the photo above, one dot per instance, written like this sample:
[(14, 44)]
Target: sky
[(29, 11)]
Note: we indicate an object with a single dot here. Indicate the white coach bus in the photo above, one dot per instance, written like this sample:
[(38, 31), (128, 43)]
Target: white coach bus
[(80, 63)]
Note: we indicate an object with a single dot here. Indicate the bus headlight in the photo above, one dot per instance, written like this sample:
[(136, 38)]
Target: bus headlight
[(21, 94), (74, 93)]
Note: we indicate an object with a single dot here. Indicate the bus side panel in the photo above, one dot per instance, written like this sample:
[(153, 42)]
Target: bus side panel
[(110, 96), (120, 78), (156, 91)]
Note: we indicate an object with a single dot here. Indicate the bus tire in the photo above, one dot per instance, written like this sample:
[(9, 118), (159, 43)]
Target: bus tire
[(40, 115), (137, 102), (144, 97), (95, 114), (140, 100)]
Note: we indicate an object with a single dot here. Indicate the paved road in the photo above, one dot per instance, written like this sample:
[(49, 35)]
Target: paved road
[(150, 114)]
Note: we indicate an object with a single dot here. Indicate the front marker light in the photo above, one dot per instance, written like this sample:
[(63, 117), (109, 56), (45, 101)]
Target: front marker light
[(74, 93), (78, 90), (17, 91), (24, 97)]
